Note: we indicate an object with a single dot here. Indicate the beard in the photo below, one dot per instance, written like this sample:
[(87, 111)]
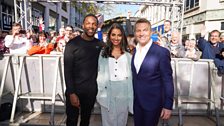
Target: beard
[(88, 33)]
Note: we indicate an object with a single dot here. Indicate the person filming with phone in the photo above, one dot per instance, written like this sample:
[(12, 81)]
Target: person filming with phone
[(17, 42)]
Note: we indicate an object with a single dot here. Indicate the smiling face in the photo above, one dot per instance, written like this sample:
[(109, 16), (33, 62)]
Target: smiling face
[(42, 37), (62, 31), (90, 26), (175, 37), (214, 38), (116, 37), (68, 31), (61, 45), (142, 33), (167, 26), (192, 44)]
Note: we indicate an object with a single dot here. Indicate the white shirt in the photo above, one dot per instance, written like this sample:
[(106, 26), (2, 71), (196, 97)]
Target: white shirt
[(140, 55), (18, 45), (118, 68)]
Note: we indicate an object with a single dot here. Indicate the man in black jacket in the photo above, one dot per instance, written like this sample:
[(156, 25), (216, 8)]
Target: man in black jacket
[(80, 69)]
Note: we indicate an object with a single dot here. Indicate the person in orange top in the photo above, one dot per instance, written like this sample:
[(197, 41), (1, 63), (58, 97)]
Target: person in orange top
[(43, 47)]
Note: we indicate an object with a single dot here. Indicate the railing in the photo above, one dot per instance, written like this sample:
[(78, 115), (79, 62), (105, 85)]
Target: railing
[(37, 79), (40, 77)]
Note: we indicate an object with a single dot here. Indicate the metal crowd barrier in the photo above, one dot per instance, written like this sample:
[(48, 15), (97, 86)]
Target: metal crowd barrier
[(191, 92), (36, 78), (37, 82)]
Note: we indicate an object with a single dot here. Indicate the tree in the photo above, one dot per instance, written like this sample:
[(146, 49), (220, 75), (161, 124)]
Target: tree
[(85, 7), (107, 9), (93, 8)]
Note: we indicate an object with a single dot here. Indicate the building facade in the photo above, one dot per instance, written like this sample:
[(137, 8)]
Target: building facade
[(156, 14), (54, 14), (197, 13)]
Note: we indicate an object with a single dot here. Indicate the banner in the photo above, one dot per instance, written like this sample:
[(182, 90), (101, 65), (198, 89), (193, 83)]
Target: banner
[(6, 22)]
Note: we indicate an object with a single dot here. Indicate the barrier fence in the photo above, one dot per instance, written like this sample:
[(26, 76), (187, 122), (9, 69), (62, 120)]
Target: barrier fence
[(36, 83)]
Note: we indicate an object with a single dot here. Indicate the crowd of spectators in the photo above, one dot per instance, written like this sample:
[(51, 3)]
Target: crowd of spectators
[(19, 41), (192, 48)]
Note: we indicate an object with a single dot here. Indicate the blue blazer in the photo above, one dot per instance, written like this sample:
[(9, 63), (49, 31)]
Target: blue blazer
[(153, 84)]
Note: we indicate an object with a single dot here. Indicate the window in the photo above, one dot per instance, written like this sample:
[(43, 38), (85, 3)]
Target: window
[(196, 3), (222, 25), (190, 4), (64, 6)]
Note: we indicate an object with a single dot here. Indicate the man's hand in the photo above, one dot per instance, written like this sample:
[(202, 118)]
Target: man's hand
[(15, 32), (165, 114), (74, 99), (174, 52), (203, 31)]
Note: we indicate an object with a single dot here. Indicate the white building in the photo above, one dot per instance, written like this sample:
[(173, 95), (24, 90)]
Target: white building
[(203, 12), (156, 14), (197, 13), (55, 15)]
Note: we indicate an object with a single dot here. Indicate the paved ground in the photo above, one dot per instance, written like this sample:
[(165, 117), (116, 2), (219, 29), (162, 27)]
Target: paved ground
[(43, 119)]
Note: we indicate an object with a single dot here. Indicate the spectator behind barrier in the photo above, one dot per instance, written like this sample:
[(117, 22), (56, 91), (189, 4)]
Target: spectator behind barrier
[(187, 44), (104, 37), (128, 24), (17, 42), (219, 62), (175, 48), (43, 47), (164, 40), (76, 32), (167, 29), (210, 49), (191, 51), (61, 34), (30, 36), (3, 49), (60, 47), (53, 37), (68, 33), (222, 38)]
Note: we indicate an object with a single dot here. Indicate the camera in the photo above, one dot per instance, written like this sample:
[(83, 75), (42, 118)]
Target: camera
[(22, 32)]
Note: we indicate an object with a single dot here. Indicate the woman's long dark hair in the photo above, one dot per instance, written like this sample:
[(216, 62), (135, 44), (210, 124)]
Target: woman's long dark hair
[(107, 52)]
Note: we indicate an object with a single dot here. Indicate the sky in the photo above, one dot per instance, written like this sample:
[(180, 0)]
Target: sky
[(121, 10)]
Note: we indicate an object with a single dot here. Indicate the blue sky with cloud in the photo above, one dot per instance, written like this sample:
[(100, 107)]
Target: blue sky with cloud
[(121, 10)]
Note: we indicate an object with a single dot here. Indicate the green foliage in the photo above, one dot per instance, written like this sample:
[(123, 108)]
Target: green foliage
[(85, 7), (93, 8)]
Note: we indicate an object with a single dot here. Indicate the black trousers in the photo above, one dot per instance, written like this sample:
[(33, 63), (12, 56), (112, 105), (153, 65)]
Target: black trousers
[(87, 101)]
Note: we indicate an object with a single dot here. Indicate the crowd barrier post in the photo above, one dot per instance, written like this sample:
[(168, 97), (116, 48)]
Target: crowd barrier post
[(193, 99), (41, 95), (19, 64), (17, 85), (6, 66)]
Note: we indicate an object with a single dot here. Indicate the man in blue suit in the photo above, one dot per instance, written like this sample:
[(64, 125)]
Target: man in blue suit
[(152, 78)]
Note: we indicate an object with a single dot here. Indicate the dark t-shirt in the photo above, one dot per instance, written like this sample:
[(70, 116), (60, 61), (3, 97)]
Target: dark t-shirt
[(81, 65)]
